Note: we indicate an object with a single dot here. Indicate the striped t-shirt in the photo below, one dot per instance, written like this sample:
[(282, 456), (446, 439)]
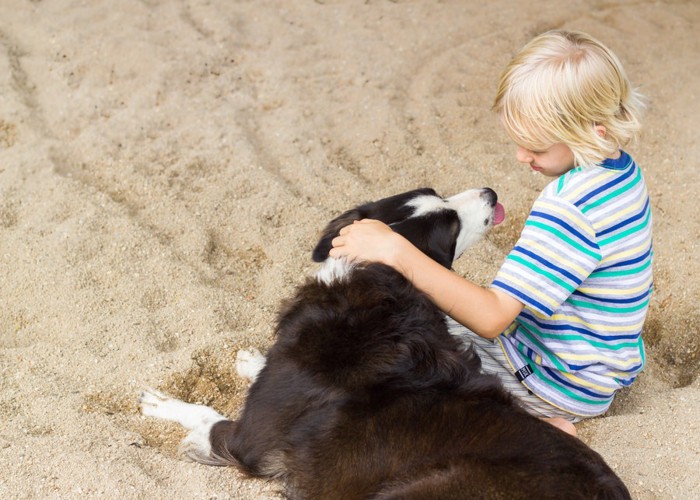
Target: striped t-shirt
[(582, 268)]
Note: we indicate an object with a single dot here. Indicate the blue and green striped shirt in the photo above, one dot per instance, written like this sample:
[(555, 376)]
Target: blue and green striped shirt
[(582, 268)]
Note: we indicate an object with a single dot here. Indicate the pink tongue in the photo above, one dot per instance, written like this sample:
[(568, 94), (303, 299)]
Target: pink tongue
[(499, 214)]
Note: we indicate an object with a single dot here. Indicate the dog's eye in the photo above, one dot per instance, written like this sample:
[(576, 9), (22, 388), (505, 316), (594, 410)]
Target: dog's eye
[(486, 222)]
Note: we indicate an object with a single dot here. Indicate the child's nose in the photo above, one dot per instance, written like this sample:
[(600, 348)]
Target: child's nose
[(523, 155)]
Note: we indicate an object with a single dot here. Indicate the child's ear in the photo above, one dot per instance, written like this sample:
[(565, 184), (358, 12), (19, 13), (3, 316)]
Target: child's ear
[(600, 130)]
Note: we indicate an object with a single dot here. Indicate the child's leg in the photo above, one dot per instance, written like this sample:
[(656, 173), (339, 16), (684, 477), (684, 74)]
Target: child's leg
[(562, 424), (493, 361)]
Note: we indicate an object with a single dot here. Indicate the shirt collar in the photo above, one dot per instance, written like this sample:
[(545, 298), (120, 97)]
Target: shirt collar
[(620, 163)]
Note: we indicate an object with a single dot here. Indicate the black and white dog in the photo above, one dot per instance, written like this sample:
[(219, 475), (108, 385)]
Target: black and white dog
[(365, 394)]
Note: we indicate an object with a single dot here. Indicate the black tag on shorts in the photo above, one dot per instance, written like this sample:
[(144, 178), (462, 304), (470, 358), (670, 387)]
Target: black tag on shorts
[(523, 373)]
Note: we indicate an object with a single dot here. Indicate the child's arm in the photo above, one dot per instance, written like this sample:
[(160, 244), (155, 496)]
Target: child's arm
[(485, 311)]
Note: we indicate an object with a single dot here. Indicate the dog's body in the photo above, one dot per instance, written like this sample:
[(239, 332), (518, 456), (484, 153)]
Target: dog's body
[(365, 394)]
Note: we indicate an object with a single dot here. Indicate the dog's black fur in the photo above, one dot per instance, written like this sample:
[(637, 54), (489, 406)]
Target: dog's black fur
[(365, 394)]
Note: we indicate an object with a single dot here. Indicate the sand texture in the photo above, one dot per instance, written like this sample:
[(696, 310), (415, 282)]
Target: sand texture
[(166, 166)]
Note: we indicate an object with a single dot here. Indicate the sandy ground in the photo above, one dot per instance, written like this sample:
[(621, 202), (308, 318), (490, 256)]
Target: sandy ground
[(165, 167)]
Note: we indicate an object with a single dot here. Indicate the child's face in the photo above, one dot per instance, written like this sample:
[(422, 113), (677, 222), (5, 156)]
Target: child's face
[(552, 162)]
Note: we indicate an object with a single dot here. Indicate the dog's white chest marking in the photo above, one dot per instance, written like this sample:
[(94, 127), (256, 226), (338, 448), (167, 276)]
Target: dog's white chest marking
[(333, 270)]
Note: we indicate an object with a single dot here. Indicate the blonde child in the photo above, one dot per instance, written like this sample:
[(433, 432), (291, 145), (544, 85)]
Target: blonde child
[(561, 322)]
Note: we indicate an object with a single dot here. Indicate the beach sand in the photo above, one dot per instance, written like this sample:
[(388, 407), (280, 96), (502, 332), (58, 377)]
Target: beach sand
[(165, 168)]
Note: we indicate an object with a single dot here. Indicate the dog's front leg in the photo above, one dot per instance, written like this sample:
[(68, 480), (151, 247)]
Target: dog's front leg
[(198, 419), (191, 416)]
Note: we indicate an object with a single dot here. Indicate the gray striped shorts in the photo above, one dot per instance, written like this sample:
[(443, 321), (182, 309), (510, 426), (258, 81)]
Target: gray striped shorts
[(493, 361)]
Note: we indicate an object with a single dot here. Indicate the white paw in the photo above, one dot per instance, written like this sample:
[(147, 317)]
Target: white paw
[(249, 363), (198, 419), (156, 404)]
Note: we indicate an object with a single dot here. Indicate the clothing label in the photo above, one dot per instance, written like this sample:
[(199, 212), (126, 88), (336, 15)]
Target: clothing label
[(523, 373)]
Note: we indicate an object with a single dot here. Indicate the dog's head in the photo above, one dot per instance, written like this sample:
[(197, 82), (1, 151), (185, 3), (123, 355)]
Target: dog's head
[(442, 228)]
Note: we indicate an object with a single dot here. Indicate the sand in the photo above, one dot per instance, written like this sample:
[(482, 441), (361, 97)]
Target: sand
[(165, 168)]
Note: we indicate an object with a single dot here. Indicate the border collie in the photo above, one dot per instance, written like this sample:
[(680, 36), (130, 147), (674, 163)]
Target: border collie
[(365, 394)]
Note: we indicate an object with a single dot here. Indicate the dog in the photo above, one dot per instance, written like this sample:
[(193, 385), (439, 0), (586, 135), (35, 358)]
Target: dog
[(365, 394)]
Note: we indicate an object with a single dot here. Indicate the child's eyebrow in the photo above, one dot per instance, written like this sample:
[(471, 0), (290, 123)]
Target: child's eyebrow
[(535, 150)]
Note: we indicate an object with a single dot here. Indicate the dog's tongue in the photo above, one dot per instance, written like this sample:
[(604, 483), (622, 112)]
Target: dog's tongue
[(499, 214)]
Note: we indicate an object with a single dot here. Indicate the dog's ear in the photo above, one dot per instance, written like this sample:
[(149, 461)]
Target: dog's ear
[(388, 210), (324, 245), (443, 242), (434, 235)]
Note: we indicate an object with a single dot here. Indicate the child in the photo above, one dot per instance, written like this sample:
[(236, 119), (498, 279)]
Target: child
[(561, 323)]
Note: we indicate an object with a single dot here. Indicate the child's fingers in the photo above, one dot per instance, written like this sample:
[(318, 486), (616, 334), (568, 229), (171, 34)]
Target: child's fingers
[(339, 251), (338, 241)]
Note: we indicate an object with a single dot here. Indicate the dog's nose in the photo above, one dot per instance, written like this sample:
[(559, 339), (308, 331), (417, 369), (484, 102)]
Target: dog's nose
[(490, 196)]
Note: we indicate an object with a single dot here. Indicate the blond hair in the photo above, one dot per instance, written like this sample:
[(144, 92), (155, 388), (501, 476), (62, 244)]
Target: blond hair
[(559, 87)]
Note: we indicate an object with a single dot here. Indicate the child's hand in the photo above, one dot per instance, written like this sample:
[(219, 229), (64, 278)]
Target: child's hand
[(367, 239)]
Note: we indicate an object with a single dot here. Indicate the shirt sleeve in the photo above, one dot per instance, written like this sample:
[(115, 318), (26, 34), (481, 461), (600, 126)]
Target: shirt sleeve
[(556, 252)]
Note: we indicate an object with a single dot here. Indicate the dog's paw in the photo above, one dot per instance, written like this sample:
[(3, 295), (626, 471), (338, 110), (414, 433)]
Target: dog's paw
[(198, 419), (191, 416), (249, 363), (154, 403)]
